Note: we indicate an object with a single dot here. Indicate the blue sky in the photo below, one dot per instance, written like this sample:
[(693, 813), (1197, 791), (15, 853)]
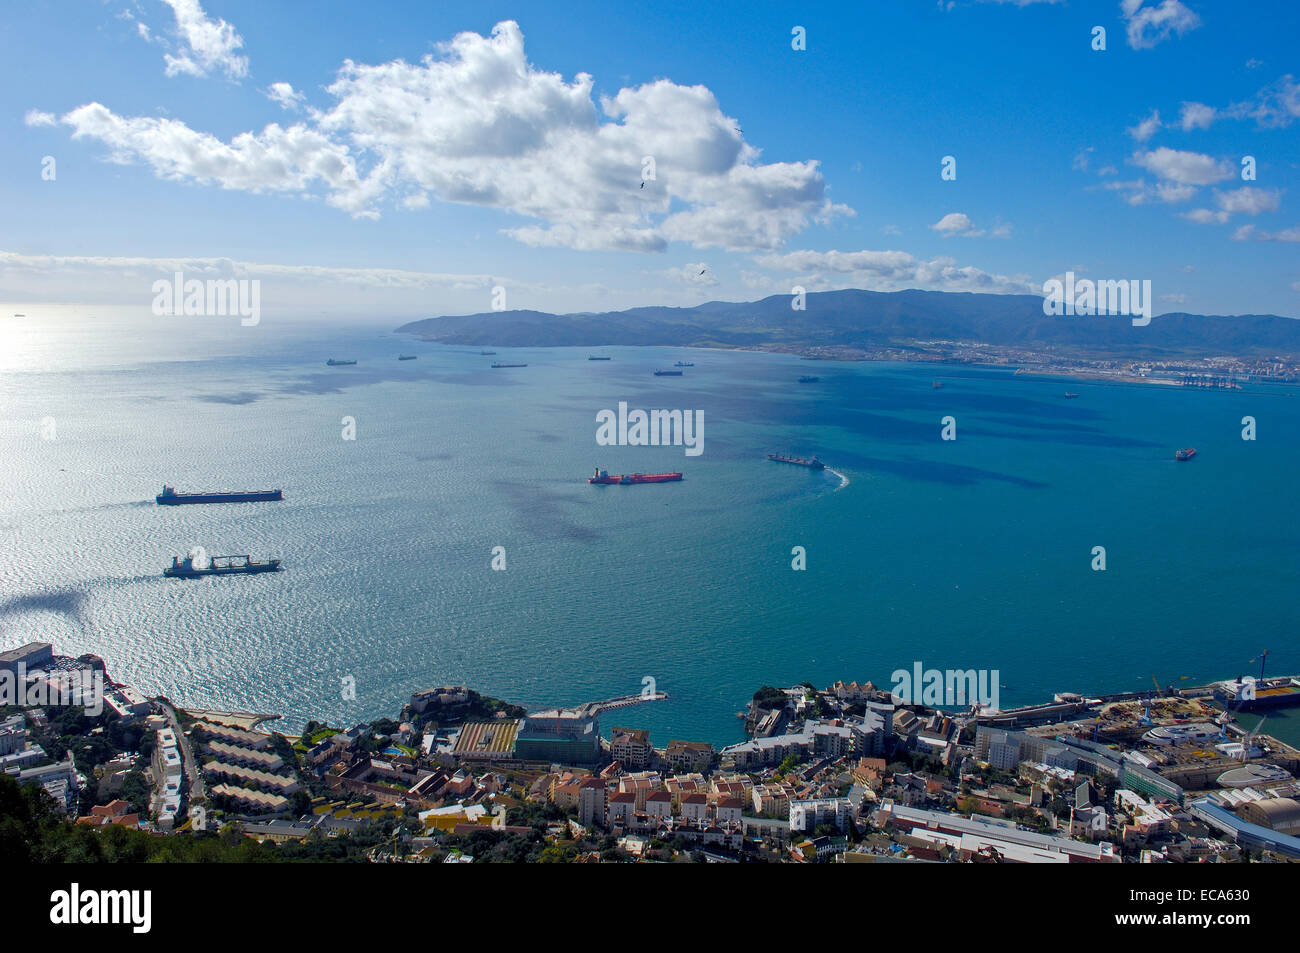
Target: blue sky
[(377, 183)]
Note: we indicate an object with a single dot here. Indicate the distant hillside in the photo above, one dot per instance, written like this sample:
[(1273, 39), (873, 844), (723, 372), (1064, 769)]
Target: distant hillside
[(871, 319)]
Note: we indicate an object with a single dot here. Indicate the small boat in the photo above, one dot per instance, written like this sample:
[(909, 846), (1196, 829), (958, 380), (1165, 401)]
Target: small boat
[(683, 364), (406, 357), (668, 373), (936, 384), (592, 357), (332, 362), (487, 352), (1070, 395), (1185, 454), (809, 380)]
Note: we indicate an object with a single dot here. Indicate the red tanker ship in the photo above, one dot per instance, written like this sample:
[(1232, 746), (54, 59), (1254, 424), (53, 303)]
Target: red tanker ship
[(604, 477)]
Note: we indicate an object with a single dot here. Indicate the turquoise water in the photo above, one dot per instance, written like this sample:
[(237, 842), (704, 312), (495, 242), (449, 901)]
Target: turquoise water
[(973, 553)]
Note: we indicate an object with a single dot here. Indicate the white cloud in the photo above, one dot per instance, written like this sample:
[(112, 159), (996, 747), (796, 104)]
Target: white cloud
[(1184, 168), (274, 160), (285, 95), (478, 124), (1273, 107), (1246, 232), (887, 271), (959, 223), (210, 45), (1196, 116), (1151, 24), (35, 117), (1146, 128), (201, 267)]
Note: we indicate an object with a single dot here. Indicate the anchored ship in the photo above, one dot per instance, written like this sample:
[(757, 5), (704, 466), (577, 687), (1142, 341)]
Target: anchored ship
[(668, 373), (812, 463), (218, 566), (1185, 454), (406, 357), (594, 358), (336, 363), (809, 380), (683, 364), (500, 364), (487, 352), (169, 497), (605, 478)]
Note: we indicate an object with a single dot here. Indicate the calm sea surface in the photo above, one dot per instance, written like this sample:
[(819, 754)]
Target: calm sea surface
[(974, 553)]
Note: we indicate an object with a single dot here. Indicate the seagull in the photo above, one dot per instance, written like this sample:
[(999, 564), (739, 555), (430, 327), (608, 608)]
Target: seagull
[(643, 185), (702, 271)]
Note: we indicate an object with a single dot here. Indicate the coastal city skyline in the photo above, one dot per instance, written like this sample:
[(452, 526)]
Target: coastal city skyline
[(337, 170)]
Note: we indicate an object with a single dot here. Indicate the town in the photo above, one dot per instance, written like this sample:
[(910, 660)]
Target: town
[(849, 773)]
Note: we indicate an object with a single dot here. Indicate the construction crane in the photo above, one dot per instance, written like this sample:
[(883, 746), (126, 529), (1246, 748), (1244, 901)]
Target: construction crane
[(1263, 657)]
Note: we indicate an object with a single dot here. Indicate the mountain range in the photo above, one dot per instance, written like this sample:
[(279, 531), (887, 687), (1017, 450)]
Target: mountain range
[(872, 319)]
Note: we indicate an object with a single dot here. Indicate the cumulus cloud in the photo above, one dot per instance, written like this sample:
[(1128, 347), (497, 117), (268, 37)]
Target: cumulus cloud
[(1149, 24), (285, 95), (1146, 128), (478, 124), (1196, 116), (955, 223), (274, 160), (209, 46), (35, 117), (886, 271), (1184, 168), (959, 223)]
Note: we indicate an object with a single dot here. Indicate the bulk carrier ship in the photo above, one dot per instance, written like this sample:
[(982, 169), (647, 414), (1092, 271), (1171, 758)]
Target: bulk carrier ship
[(218, 566), (169, 497), (813, 463)]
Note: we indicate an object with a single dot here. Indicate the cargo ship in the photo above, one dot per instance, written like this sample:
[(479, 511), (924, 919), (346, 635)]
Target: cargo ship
[(668, 373), (218, 566), (500, 364), (1251, 694), (809, 380), (406, 357), (336, 363), (1185, 454), (812, 463), (605, 478), (594, 358), (169, 497)]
